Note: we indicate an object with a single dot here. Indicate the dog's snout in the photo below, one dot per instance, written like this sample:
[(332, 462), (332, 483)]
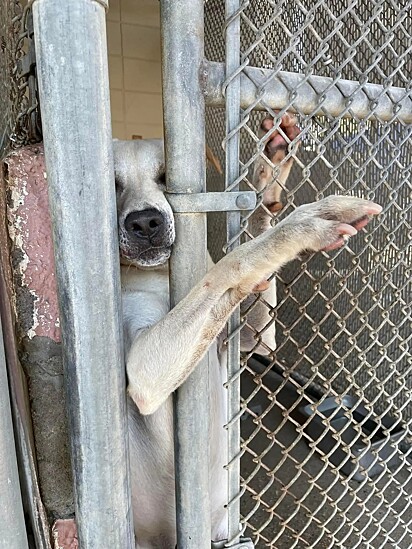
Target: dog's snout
[(144, 224)]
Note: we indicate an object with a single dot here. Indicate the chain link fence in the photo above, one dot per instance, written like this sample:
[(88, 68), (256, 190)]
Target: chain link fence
[(20, 115), (326, 429)]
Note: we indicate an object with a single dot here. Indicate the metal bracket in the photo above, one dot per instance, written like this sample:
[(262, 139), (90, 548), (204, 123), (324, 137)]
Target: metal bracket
[(244, 543), (211, 202)]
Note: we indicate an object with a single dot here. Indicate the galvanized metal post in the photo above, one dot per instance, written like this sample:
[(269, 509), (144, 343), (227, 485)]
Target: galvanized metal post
[(12, 526), (232, 91), (74, 96), (182, 46)]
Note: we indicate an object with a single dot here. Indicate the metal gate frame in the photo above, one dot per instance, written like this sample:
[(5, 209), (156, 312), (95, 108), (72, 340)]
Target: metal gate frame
[(235, 86), (11, 506), (72, 73)]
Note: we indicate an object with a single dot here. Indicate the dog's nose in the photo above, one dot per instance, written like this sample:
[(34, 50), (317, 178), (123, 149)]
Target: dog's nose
[(144, 224)]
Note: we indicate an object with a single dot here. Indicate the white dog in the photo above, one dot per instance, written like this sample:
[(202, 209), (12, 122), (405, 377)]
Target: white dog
[(163, 346)]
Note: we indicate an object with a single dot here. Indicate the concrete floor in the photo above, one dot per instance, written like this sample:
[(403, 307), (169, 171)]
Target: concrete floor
[(302, 501)]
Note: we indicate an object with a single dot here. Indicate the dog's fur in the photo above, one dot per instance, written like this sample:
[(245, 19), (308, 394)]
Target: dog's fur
[(163, 346)]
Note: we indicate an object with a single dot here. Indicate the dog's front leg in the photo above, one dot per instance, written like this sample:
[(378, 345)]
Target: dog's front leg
[(270, 173), (272, 168), (162, 356)]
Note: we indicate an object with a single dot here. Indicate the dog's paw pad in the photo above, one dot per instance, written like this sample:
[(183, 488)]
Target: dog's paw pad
[(279, 140)]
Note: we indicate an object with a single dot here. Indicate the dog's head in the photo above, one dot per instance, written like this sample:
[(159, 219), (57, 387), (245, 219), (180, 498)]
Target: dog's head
[(145, 219)]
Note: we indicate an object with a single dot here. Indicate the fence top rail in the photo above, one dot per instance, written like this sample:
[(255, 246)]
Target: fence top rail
[(264, 88)]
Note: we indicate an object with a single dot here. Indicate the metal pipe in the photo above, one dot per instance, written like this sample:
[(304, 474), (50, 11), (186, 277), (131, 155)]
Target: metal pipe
[(233, 117), (72, 72), (311, 94), (12, 526), (184, 124)]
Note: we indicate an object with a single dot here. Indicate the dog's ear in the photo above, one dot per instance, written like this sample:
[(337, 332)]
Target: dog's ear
[(212, 158)]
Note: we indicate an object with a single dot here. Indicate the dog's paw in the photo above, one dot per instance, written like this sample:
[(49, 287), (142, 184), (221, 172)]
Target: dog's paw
[(327, 224), (272, 169), (277, 143), (323, 225)]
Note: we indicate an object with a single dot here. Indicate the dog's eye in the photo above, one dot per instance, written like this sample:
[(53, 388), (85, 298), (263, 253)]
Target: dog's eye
[(162, 179), (118, 185)]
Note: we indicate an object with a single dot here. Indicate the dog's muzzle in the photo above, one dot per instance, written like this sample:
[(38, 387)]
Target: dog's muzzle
[(146, 237), (145, 226)]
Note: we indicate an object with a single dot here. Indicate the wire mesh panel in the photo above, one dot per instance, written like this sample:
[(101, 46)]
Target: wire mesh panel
[(20, 116), (326, 429)]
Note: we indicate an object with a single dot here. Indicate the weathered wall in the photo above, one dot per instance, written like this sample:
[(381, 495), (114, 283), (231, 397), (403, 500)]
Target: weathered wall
[(37, 329)]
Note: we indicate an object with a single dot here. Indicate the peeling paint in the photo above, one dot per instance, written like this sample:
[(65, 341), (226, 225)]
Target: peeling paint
[(65, 534), (29, 229)]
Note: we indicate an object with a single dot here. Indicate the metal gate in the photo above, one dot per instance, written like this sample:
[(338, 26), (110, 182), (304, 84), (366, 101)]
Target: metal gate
[(319, 433), (325, 422)]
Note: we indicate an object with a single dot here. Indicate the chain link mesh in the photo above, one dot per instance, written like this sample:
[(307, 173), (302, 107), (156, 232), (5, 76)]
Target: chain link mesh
[(326, 429), (20, 114)]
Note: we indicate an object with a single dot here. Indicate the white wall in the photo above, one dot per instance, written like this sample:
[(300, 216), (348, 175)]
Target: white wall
[(133, 35)]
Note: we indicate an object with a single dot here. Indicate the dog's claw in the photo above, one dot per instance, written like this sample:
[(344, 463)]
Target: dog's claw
[(370, 209), (338, 218), (361, 223), (346, 231), (373, 209)]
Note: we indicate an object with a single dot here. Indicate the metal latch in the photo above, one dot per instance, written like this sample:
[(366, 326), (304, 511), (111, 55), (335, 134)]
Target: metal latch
[(211, 202), (244, 543)]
